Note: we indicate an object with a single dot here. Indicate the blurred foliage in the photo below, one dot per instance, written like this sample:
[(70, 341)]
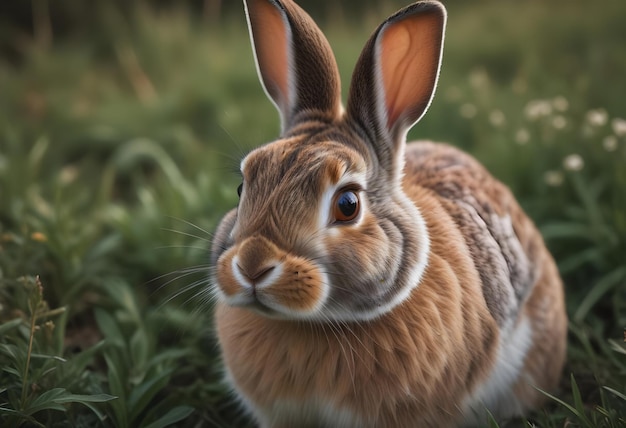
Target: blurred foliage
[(121, 129)]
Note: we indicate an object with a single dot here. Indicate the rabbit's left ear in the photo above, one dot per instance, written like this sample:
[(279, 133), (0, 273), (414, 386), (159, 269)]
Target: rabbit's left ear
[(394, 80), (294, 60)]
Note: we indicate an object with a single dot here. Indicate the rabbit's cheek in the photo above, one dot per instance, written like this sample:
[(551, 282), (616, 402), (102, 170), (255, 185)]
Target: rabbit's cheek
[(226, 281), (301, 288)]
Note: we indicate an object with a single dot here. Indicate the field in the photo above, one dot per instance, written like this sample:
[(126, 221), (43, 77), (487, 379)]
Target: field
[(121, 130)]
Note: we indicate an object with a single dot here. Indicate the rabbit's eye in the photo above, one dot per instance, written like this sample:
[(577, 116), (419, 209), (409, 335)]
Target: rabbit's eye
[(239, 189), (345, 206)]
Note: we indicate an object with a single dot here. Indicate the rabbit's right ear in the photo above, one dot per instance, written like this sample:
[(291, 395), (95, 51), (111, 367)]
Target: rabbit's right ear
[(294, 61)]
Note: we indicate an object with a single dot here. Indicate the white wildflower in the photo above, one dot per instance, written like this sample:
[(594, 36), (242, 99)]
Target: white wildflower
[(597, 117), (619, 126), (610, 143), (68, 174), (497, 118), (537, 109), (573, 162), (560, 103), (468, 110), (559, 122), (553, 178), (478, 78), (522, 136)]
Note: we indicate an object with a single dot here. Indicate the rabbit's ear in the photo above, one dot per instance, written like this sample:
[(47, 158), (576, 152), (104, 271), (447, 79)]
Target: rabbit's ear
[(395, 78), (295, 63)]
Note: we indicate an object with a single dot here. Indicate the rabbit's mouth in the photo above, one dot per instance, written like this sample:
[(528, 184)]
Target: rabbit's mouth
[(257, 306)]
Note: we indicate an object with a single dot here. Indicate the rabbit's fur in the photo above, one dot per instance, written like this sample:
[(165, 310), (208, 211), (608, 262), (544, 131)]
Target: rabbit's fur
[(433, 300)]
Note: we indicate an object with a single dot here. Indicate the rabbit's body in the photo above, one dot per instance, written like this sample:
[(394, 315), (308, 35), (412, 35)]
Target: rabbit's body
[(363, 282), (429, 362)]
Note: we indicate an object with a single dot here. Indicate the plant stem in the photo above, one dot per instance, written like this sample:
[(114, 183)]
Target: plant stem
[(33, 319)]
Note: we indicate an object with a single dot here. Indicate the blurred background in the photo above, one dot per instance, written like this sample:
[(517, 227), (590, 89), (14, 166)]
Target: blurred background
[(121, 129)]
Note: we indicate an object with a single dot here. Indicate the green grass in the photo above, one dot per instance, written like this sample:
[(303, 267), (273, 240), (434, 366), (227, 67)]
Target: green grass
[(119, 144)]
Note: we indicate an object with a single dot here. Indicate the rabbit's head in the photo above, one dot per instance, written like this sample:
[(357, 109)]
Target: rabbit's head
[(324, 229)]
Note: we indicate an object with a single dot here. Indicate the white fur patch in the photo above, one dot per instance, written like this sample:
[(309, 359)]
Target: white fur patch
[(496, 393)]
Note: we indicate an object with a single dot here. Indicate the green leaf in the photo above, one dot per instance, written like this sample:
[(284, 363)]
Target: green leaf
[(560, 230), (174, 415), (141, 395), (599, 289), (48, 357), (578, 402), (7, 326), (615, 392), (561, 402), (55, 398), (117, 387), (617, 347), (108, 326), (140, 348), (46, 401)]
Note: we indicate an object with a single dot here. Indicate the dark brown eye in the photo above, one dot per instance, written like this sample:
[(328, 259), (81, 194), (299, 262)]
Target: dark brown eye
[(345, 206), (239, 189)]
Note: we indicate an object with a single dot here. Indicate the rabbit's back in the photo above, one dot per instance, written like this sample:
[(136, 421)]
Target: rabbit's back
[(519, 279)]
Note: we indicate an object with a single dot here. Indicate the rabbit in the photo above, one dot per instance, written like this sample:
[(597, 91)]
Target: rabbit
[(365, 282)]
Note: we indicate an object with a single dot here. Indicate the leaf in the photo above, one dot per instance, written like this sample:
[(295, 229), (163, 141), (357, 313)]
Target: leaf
[(617, 347), (4, 327), (599, 289), (560, 230), (109, 328), (139, 348), (48, 357), (615, 392), (46, 401), (117, 387), (141, 395), (561, 402), (578, 259), (55, 398), (174, 415), (578, 402)]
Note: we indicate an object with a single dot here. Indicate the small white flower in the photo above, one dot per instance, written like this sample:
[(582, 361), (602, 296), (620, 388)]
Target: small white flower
[(559, 122), (468, 110), (610, 143), (68, 174), (553, 178), (522, 136), (537, 109), (597, 117), (573, 162), (619, 126), (497, 118), (560, 103), (478, 78)]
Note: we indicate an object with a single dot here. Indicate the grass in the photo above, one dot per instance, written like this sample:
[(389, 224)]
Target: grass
[(118, 146)]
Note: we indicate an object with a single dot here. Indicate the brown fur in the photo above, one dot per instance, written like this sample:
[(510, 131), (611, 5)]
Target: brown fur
[(433, 348)]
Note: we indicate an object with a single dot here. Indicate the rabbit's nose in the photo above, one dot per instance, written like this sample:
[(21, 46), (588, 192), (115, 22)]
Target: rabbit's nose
[(256, 259), (256, 276)]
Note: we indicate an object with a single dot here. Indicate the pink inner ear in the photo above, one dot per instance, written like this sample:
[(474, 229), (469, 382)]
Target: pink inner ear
[(271, 45), (409, 61)]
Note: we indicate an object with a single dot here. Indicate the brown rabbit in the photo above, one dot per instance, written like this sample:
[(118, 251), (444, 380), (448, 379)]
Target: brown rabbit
[(364, 282)]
